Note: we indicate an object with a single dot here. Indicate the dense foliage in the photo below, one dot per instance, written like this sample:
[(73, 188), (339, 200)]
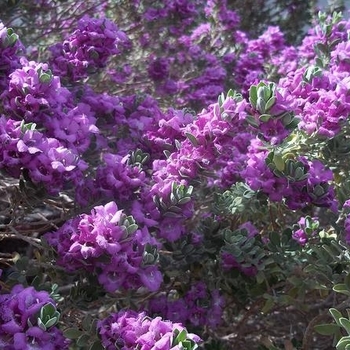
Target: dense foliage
[(174, 175)]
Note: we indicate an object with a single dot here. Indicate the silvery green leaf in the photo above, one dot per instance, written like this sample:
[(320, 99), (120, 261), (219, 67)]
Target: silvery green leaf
[(265, 117), (260, 105), (221, 99), (41, 324), (167, 153), (336, 315), (252, 121), (253, 96), (270, 103), (51, 322), (278, 161), (299, 174), (293, 124), (132, 229), (192, 139), (184, 200), (45, 78), (175, 209), (345, 323), (170, 214), (47, 311)]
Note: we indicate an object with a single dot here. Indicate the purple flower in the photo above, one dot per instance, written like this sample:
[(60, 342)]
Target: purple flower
[(305, 228), (109, 244), (118, 179), (341, 57), (171, 229), (198, 306), (19, 327), (274, 131), (259, 177), (88, 48), (130, 330), (322, 194), (10, 49), (176, 310), (34, 92), (159, 69), (300, 236)]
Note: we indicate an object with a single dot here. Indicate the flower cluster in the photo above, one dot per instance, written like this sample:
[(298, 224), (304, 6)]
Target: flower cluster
[(305, 228), (299, 181), (130, 330), (47, 161), (256, 53), (204, 142), (116, 143), (197, 307), (27, 321), (88, 48), (44, 131), (117, 179), (169, 128), (108, 243), (322, 102), (10, 49), (33, 92)]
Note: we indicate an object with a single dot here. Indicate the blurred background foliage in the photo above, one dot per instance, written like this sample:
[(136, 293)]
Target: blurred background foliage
[(292, 16)]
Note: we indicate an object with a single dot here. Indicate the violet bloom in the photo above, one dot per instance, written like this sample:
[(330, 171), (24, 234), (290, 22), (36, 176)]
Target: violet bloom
[(117, 179), (158, 69), (305, 228), (130, 330), (73, 127), (229, 262), (207, 142), (47, 161), (63, 160), (341, 57), (10, 159), (198, 306), (106, 232), (274, 131), (346, 204), (250, 228), (259, 177), (34, 92), (10, 50), (318, 186), (316, 189), (171, 229), (173, 211), (176, 310), (250, 65), (36, 95), (205, 307), (19, 328), (300, 236), (161, 137), (322, 104), (88, 48), (316, 35)]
